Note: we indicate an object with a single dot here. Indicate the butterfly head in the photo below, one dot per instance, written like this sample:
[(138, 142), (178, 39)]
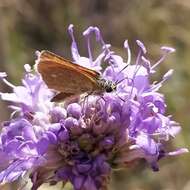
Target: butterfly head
[(110, 86), (107, 85)]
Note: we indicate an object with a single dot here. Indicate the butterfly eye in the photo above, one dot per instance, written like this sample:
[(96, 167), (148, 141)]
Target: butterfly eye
[(109, 89)]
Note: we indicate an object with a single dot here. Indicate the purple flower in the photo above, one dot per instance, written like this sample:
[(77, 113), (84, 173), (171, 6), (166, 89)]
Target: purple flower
[(82, 142)]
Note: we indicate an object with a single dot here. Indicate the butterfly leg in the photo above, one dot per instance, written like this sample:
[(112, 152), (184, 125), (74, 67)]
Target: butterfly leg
[(120, 97), (101, 96), (84, 102)]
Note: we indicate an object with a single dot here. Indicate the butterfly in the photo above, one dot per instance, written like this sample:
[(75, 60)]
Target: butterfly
[(70, 79)]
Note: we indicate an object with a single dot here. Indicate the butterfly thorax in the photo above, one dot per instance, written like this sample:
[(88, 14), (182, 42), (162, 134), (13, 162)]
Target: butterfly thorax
[(106, 85)]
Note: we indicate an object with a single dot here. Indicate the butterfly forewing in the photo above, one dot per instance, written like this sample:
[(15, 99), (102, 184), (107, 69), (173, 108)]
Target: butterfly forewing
[(64, 76), (47, 55)]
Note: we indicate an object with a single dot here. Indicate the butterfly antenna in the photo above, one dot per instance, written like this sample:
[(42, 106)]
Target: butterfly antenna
[(120, 97), (117, 82), (123, 68)]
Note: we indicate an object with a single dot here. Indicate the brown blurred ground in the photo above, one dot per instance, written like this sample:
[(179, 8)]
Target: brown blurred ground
[(30, 25)]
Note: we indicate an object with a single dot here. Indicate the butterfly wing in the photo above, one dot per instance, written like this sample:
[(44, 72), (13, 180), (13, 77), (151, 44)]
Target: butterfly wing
[(56, 58), (62, 96), (65, 76)]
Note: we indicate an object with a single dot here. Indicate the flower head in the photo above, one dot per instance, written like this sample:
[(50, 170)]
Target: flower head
[(82, 142)]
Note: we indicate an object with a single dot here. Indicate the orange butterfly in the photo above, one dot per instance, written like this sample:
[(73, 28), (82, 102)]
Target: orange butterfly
[(68, 78)]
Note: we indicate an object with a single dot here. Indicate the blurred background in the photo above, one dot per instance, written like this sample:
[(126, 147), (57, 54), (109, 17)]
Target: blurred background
[(30, 25)]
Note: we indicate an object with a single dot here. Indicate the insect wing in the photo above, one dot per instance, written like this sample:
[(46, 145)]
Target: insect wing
[(62, 96), (47, 55), (64, 76)]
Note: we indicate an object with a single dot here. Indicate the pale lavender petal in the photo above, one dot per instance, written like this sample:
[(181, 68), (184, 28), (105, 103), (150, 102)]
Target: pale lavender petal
[(27, 68), (178, 152), (168, 75), (74, 48), (142, 46), (167, 49), (3, 74)]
